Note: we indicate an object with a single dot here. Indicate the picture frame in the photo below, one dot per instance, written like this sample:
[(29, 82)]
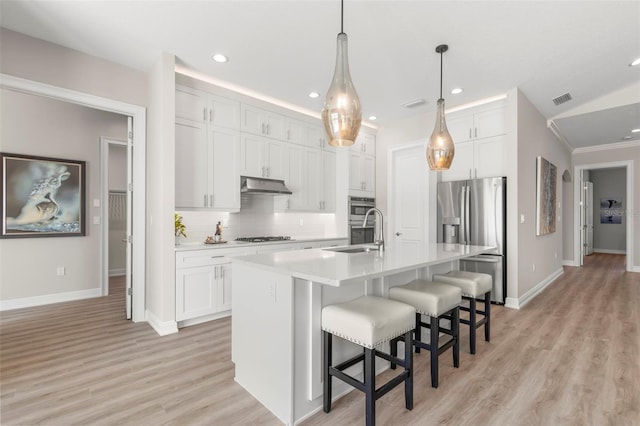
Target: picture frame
[(546, 182), (611, 210), (42, 196)]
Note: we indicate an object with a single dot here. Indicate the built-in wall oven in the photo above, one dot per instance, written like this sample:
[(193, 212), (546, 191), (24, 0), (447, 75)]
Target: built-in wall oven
[(358, 207)]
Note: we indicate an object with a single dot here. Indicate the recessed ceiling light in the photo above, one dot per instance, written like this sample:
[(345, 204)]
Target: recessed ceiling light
[(635, 63), (219, 57), (373, 118), (456, 91), (635, 130), (314, 95)]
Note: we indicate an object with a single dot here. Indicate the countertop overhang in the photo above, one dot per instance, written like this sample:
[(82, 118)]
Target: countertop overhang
[(337, 269)]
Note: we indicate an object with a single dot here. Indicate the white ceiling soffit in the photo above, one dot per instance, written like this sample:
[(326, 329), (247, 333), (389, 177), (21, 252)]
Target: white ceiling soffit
[(286, 49)]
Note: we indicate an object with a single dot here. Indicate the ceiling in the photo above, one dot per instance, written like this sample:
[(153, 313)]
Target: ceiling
[(286, 49)]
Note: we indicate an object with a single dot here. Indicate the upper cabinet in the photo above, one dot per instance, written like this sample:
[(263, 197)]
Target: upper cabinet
[(207, 151), (263, 157), (480, 142), (262, 122), (362, 166)]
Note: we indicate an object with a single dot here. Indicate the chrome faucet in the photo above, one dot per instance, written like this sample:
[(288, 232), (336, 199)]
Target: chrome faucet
[(378, 238)]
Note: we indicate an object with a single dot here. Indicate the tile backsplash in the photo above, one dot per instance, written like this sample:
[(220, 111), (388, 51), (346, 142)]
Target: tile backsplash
[(258, 218)]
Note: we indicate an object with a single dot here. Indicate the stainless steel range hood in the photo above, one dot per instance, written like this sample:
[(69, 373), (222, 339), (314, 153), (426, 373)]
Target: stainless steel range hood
[(253, 185)]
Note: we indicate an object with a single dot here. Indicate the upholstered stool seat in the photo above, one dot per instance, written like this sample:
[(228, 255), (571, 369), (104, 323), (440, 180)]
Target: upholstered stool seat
[(474, 285), (368, 321), (438, 301)]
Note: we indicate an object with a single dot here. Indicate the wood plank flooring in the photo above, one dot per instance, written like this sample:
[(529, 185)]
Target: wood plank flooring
[(569, 357)]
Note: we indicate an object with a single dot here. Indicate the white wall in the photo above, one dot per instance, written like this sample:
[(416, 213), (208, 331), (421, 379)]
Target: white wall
[(609, 183), (539, 257), (40, 126)]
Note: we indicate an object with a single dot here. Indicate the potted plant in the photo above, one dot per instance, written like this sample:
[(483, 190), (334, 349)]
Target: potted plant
[(179, 226)]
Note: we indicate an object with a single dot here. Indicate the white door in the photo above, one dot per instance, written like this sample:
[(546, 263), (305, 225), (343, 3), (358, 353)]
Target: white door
[(408, 196), (588, 212)]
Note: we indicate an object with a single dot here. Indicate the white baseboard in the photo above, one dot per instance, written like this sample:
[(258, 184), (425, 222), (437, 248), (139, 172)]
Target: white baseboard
[(569, 263), (117, 272), (46, 299), (607, 251), (635, 269), (517, 303), (163, 328), (206, 318)]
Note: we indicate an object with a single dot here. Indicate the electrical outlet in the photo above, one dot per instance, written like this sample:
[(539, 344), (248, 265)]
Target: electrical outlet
[(60, 271), (96, 202), (301, 222), (96, 220), (521, 218)]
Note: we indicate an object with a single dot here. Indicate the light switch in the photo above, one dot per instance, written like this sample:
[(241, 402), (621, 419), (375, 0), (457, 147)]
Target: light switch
[(521, 218), (96, 220), (96, 202)]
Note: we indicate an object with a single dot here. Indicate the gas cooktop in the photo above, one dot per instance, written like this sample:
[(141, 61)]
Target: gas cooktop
[(262, 239)]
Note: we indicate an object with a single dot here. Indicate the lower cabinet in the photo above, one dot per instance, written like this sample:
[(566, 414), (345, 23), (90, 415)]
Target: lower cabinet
[(203, 284)]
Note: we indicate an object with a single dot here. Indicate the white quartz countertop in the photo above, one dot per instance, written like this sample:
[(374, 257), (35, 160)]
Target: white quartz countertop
[(236, 244), (336, 269)]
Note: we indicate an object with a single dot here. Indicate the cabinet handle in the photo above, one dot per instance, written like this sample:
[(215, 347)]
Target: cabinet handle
[(470, 174), (263, 128), (288, 134), (211, 115), (210, 200), (263, 172), (215, 272), (204, 114), (268, 171), (268, 129), (398, 234), (476, 172), (216, 257), (222, 274), (288, 204), (475, 132), (469, 132), (205, 200)]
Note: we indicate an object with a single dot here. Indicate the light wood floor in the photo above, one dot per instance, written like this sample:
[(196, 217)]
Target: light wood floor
[(569, 357)]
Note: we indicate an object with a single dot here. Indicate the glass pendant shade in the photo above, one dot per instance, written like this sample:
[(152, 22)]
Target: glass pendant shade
[(440, 148), (342, 113)]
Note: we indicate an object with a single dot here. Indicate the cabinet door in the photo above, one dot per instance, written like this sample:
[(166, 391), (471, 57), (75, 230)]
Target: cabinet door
[(355, 171), (462, 163), (368, 143), (252, 159), (275, 125), (460, 127), (276, 159), (224, 112), (489, 123), (224, 170), (224, 286), (296, 131), (251, 120), (191, 159), (317, 137), (295, 182), (191, 105), (313, 182), (195, 292), (329, 179), (369, 173), (490, 155)]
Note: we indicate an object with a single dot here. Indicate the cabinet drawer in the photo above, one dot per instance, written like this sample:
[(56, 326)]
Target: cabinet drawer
[(195, 258)]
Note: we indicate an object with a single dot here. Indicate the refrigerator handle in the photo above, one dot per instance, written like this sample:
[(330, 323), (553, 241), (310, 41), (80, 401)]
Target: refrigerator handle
[(467, 211), (463, 232)]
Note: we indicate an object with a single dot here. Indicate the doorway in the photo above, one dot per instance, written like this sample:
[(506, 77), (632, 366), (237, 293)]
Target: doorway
[(602, 224), (137, 137)]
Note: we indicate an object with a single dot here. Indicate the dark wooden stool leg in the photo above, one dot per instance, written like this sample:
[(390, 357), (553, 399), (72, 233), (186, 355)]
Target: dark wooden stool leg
[(408, 359), (487, 309), (455, 329), (472, 325), (418, 330), (370, 386), (326, 398), (393, 348), (435, 332)]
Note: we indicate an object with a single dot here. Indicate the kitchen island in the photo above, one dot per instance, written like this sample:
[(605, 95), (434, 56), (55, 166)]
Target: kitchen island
[(277, 303)]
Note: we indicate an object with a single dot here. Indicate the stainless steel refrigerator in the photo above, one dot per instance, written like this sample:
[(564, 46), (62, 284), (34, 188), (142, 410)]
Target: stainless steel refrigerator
[(473, 212)]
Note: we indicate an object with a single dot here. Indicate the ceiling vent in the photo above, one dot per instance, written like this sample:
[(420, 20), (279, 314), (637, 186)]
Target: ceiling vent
[(414, 103), (562, 99)]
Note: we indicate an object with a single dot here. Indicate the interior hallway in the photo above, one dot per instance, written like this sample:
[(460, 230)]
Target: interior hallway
[(569, 357)]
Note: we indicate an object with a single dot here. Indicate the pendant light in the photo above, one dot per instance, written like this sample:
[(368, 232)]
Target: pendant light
[(440, 148), (342, 114)]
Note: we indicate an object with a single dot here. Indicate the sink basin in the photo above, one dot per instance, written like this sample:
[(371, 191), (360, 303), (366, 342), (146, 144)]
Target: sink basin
[(352, 249)]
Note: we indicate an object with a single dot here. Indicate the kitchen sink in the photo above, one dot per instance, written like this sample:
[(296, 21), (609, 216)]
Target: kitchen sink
[(353, 249)]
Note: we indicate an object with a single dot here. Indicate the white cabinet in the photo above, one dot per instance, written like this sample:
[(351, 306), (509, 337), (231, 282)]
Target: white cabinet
[(263, 157), (197, 106), (262, 122), (362, 174), (469, 125), (203, 283), (316, 136), (480, 142), (207, 173), (365, 143), (311, 180)]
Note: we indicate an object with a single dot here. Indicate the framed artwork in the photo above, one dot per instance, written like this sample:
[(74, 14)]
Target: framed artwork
[(611, 210), (42, 197), (546, 177)]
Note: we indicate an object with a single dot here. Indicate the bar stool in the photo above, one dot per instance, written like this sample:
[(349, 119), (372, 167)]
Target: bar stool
[(438, 301), (368, 321), (473, 285)]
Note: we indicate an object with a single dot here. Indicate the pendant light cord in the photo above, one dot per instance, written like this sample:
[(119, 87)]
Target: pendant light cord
[(341, 16), (441, 74)]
